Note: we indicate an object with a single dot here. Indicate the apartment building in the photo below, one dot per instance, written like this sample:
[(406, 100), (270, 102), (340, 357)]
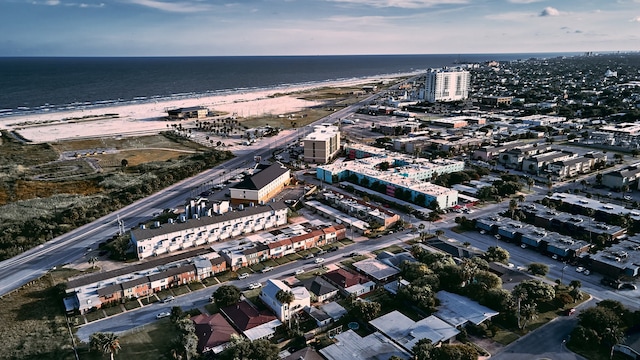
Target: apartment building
[(447, 84), (322, 145), (266, 182), (175, 236)]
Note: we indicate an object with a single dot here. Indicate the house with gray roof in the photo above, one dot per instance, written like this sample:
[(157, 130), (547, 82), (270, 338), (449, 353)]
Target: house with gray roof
[(321, 289), (406, 332), (262, 186)]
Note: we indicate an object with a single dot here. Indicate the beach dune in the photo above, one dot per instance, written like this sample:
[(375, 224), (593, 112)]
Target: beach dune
[(148, 118)]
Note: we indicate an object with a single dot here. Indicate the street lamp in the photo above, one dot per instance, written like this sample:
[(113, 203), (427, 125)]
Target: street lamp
[(562, 276)]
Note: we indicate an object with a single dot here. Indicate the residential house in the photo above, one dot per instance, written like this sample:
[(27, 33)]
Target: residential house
[(284, 311), (320, 289), (250, 322), (350, 283), (213, 332)]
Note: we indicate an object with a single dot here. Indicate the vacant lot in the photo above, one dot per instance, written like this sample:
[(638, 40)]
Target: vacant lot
[(33, 321)]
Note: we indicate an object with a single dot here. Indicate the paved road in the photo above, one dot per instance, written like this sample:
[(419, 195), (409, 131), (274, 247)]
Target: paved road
[(72, 246), (547, 342), (197, 299)]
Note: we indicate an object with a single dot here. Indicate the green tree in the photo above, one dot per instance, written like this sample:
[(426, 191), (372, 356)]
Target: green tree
[(496, 254), (454, 352), (422, 349), (176, 314), (226, 295), (285, 297), (538, 269), (366, 310), (108, 343)]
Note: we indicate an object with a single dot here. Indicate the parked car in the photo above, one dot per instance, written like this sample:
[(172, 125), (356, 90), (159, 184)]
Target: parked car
[(587, 272), (243, 276), (266, 269), (163, 314), (570, 312), (255, 285), (319, 260), (309, 256), (333, 248), (168, 299), (321, 252), (580, 269), (628, 286), (299, 271)]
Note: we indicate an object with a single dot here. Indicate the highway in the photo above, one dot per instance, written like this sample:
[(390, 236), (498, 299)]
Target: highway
[(73, 245)]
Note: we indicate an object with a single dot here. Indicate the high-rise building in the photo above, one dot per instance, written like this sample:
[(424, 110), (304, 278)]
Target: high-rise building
[(322, 145), (448, 84)]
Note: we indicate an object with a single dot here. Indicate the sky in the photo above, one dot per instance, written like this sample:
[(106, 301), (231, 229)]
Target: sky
[(314, 27)]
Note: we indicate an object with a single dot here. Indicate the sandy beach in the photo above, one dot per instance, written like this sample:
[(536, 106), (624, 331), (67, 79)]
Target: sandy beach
[(148, 118)]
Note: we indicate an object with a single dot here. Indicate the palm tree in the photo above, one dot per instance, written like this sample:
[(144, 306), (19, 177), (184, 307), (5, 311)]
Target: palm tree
[(530, 182), (108, 343), (513, 205), (93, 260), (439, 233), (285, 297)]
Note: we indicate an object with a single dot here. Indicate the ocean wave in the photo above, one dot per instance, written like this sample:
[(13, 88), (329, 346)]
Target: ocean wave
[(283, 86)]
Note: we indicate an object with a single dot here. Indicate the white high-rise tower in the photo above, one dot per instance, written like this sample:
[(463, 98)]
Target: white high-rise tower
[(447, 85)]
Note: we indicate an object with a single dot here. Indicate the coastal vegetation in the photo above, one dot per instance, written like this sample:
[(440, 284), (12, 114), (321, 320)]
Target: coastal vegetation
[(49, 189)]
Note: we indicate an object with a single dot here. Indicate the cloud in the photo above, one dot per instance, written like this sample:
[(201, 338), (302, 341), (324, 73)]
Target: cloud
[(177, 7), (510, 16), (636, 19), (52, 2), (524, 1), (550, 11), (406, 4)]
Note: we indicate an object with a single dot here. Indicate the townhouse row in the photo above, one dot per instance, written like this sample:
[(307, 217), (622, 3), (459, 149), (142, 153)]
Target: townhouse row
[(201, 230), (145, 279)]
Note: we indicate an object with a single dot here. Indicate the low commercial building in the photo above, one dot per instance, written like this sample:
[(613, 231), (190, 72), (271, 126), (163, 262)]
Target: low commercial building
[(266, 182), (198, 231), (618, 260), (195, 112)]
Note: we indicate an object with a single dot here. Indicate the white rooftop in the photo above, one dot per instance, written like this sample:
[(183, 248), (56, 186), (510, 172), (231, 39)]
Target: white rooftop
[(407, 332)]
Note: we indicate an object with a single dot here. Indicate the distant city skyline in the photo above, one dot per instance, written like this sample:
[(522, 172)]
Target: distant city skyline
[(315, 27)]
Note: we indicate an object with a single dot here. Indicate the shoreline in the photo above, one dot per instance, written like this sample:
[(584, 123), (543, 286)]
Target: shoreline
[(102, 121)]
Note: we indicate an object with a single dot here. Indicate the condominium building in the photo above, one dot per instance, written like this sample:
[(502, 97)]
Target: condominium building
[(198, 231), (322, 145), (447, 85)]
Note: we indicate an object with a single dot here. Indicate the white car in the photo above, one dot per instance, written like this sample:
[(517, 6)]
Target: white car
[(266, 269), (580, 269), (627, 197), (243, 276), (254, 286), (163, 314), (299, 271), (319, 260)]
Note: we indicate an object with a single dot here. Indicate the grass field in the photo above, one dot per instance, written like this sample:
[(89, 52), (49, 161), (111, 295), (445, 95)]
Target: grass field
[(152, 141), (33, 321), (153, 341)]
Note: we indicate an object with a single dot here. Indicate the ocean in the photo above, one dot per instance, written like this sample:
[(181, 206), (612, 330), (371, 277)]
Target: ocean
[(47, 84)]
